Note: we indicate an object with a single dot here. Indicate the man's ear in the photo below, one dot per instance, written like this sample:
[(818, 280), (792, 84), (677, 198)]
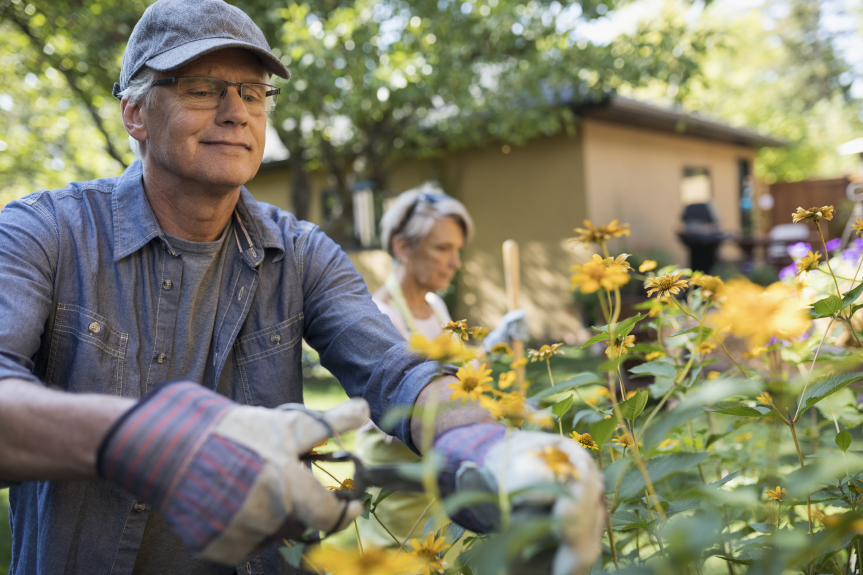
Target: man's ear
[(133, 119)]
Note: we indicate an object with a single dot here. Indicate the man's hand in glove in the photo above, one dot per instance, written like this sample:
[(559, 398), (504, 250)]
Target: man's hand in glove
[(226, 477), (486, 457)]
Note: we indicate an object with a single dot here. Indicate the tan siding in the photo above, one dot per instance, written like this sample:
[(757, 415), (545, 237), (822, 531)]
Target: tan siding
[(634, 175)]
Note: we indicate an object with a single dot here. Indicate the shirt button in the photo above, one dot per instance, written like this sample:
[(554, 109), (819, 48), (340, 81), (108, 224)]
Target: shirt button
[(167, 285), (140, 507), (95, 327), (275, 338), (161, 358), (248, 567)]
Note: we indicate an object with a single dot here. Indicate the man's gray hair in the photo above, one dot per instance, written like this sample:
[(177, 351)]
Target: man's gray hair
[(140, 91), (422, 218)]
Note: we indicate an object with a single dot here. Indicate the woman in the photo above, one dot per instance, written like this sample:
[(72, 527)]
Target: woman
[(424, 231)]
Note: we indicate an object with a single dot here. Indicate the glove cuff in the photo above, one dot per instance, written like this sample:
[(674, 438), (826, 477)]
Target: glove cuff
[(459, 445), (147, 449)]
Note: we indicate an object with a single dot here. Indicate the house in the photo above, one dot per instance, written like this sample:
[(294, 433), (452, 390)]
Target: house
[(628, 160)]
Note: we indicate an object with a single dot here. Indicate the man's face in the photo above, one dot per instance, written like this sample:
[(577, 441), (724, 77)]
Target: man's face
[(219, 148)]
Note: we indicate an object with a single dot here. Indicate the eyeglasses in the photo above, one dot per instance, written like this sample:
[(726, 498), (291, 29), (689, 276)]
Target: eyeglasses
[(423, 197), (207, 93)]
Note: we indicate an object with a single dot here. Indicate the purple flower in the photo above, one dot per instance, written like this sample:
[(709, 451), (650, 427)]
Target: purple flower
[(833, 244), (789, 272), (851, 255), (799, 250)]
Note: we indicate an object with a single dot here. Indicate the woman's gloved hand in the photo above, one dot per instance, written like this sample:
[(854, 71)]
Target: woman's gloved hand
[(226, 477), (486, 457), (512, 326)]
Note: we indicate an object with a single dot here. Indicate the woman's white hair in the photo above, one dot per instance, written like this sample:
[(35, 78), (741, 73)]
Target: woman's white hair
[(414, 225), (140, 91)]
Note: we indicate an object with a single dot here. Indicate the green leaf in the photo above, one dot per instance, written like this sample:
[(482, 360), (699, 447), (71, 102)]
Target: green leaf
[(562, 406), (843, 440), (854, 308), (851, 296), (293, 554), (382, 495), (763, 527), (828, 306), (595, 339), (827, 385), (658, 469), (452, 532), (656, 368), (467, 498), (367, 504), (739, 409), (612, 364), (704, 330), (574, 381), (602, 430), (633, 406), (622, 328), (429, 524)]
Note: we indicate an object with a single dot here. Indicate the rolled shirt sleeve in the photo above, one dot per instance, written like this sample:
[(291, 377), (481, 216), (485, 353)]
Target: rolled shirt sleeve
[(357, 343), (28, 256)]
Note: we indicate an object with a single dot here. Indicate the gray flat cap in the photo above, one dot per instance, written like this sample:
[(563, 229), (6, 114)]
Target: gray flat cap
[(173, 32)]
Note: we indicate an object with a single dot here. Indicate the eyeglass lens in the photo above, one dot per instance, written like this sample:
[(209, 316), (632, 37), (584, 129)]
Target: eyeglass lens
[(207, 93)]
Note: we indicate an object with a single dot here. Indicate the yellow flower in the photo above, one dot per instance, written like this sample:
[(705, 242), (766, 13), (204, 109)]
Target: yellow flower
[(858, 227), (506, 379), (654, 355), (592, 400), (426, 554), (710, 285), (557, 461), (373, 561), (647, 265), (812, 214), (666, 285), (758, 313), (520, 362), (584, 439), (711, 375), (346, 485), (443, 348), (501, 348), (705, 347), (765, 399), (603, 391), (668, 444), (598, 273), (544, 353), (743, 437), (624, 440), (619, 347), (600, 235), (460, 329), (777, 494), (630, 394), (808, 263), (754, 352), (471, 383)]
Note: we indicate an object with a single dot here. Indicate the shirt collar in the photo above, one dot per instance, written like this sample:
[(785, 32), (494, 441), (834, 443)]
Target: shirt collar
[(135, 223)]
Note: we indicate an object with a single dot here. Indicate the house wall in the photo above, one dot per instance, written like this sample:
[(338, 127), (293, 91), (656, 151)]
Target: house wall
[(634, 175)]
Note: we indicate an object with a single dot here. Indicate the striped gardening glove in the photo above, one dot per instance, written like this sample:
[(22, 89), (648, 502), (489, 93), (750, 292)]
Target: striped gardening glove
[(226, 477), (486, 456)]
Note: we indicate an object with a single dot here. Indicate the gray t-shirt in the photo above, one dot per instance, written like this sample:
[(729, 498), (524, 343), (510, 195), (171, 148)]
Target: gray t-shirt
[(162, 552)]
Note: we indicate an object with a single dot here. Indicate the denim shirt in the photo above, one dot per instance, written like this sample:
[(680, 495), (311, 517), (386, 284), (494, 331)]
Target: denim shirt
[(89, 290)]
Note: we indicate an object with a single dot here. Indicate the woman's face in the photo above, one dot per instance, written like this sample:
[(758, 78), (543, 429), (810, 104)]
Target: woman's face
[(436, 260)]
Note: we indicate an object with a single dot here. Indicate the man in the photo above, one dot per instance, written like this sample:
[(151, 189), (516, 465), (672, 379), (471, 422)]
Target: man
[(170, 272)]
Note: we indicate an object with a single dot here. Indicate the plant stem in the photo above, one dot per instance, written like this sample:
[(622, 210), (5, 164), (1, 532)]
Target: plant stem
[(414, 526), (716, 337), (384, 526), (692, 438), (791, 424), (812, 368), (611, 539), (655, 411), (827, 258), (360, 541)]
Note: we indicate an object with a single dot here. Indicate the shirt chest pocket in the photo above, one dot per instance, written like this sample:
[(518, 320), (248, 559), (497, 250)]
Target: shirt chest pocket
[(269, 363), (87, 353)]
